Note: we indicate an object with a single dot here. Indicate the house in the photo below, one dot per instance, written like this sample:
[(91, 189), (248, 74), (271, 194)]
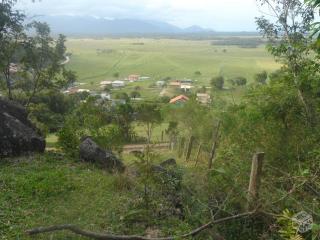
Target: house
[(186, 87), (161, 83), (105, 96), (83, 90), (75, 90), (118, 84), (179, 100), (133, 77), (203, 98), (186, 81), (105, 83), (144, 78), (175, 84)]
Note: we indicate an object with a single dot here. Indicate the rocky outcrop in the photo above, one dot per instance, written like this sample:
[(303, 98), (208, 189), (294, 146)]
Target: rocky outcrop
[(91, 152), (17, 134), (169, 163)]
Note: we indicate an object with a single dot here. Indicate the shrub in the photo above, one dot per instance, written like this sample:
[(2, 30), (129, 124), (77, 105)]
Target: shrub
[(218, 82)]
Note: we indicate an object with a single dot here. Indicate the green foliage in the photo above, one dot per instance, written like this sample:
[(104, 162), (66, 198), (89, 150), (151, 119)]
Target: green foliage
[(288, 228), (217, 82), (238, 81), (122, 96), (135, 94), (197, 73), (261, 78), (150, 115), (69, 136), (116, 75)]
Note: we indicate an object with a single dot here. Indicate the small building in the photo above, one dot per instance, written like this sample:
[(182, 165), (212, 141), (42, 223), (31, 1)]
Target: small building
[(186, 81), (74, 90), (105, 96), (203, 98), (118, 84), (133, 77), (186, 87), (83, 90), (175, 84), (144, 78), (161, 83), (179, 100), (105, 83)]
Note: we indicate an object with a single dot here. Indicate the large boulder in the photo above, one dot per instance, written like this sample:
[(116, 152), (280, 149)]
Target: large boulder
[(91, 152), (17, 134)]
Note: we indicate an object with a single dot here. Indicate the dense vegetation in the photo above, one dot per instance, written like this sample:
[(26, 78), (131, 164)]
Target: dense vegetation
[(275, 118)]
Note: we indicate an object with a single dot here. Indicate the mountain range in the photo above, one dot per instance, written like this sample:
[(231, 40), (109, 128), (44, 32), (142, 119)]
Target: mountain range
[(87, 25)]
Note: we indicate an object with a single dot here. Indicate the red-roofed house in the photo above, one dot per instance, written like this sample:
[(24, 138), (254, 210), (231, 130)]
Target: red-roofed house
[(179, 99)]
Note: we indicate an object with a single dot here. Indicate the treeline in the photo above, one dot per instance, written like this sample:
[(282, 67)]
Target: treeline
[(243, 42)]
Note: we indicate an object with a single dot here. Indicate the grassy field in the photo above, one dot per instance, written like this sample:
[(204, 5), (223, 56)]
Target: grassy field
[(97, 60), (49, 189)]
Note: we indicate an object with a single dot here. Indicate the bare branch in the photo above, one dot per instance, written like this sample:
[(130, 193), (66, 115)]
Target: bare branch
[(100, 236)]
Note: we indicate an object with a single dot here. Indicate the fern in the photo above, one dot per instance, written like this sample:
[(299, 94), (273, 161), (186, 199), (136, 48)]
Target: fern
[(288, 228)]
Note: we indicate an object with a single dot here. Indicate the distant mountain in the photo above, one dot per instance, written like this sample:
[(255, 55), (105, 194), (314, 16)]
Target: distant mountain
[(77, 25)]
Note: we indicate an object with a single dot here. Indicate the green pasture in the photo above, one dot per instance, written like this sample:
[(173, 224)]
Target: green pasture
[(96, 60)]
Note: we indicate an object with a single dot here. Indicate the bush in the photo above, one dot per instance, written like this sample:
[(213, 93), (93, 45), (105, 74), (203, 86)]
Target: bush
[(218, 82), (238, 81), (261, 78), (69, 136)]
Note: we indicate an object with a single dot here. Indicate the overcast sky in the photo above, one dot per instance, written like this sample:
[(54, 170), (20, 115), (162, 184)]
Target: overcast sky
[(220, 15)]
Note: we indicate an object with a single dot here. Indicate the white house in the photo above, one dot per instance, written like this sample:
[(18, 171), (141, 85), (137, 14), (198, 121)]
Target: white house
[(118, 84), (186, 87), (105, 96), (105, 83), (161, 83)]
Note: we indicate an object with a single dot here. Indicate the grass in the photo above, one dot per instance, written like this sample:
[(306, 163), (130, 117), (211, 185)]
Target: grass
[(51, 141), (162, 58), (49, 189)]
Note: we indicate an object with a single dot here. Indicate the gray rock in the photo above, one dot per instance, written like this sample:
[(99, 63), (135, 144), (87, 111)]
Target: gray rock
[(17, 134), (169, 163), (91, 152)]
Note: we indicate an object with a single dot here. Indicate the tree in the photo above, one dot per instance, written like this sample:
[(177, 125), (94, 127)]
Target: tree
[(217, 82), (11, 34), (135, 94), (261, 78), (42, 62), (150, 116), (122, 96), (239, 81), (116, 75), (316, 26), (123, 118), (287, 33), (197, 73)]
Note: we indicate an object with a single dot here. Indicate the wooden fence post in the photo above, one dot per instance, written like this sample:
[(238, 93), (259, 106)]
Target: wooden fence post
[(181, 147), (255, 180), (214, 145), (189, 148), (198, 154)]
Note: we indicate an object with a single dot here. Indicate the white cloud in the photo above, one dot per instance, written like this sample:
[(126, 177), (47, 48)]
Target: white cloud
[(221, 15)]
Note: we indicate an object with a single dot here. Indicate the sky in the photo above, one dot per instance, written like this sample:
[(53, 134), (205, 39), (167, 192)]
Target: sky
[(219, 15)]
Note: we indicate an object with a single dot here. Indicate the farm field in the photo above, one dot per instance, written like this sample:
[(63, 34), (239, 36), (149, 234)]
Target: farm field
[(96, 60)]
